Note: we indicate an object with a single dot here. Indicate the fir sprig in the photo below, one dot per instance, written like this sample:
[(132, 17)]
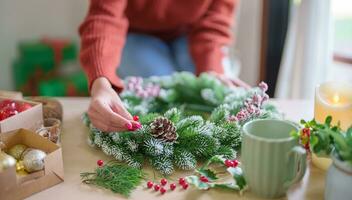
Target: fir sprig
[(201, 108), (118, 178)]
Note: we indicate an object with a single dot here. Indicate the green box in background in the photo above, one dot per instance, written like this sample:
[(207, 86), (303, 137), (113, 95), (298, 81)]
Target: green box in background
[(42, 68)]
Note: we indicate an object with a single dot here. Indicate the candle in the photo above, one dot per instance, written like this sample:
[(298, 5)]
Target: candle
[(334, 99)]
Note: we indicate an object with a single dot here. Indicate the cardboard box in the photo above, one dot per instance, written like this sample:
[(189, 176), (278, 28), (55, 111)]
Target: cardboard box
[(30, 119), (11, 94), (14, 187)]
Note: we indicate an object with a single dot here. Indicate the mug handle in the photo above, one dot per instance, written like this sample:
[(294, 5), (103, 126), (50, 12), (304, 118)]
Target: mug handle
[(297, 160)]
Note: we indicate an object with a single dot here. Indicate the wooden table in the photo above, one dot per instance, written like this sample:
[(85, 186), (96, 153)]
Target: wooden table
[(79, 157)]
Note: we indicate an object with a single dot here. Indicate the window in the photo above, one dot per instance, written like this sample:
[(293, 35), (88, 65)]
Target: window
[(342, 39)]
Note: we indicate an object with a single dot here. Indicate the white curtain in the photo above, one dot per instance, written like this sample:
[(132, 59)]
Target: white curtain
[(308, 50)]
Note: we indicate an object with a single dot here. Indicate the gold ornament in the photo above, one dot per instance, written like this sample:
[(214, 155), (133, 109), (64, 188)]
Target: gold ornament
[(20, 168), (33, 160), (6, 161), (19, 165), (17, 150)]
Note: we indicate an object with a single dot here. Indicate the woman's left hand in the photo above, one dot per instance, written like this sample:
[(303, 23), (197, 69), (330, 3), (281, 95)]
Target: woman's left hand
[(231, 82)]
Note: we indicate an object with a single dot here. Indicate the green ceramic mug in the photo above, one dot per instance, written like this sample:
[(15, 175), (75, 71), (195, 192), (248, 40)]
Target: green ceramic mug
[(272, 160)]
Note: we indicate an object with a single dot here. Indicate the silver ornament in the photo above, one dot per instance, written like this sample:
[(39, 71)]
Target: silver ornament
[(33, 160), (6, 161), (17, 150)]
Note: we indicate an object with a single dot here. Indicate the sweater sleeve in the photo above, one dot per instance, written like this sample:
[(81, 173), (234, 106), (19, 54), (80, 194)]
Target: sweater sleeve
[(103, 34), (210, 34)]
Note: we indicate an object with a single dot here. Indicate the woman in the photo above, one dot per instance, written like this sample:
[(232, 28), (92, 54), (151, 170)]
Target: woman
[(149, 37)]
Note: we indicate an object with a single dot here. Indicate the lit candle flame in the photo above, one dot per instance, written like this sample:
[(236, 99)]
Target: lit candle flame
[(336, 98)]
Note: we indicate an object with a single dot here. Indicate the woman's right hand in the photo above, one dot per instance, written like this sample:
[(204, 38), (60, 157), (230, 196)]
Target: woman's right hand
[(106, 110)]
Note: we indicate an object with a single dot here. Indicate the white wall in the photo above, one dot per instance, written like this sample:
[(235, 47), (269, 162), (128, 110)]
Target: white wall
[(33, 19), (28, 19)]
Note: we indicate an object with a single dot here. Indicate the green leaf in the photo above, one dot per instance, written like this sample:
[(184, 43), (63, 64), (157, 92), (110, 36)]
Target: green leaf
[(349, 132), (231, 186), (237, 174), (328, 120), (218, 159), (194, 180), (295, 134), (207, 173)]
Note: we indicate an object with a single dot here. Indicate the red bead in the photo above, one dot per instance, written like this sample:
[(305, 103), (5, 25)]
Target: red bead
[(235, 163), (228, 163), (181, 181), (162, 190), (156, 187), (136, 118), (204, 179), (150, 184), (163, 181), (100, 163), (185, 186), (172, 186)]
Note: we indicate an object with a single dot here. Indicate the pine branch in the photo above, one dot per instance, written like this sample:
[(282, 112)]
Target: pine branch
[(114, 176)]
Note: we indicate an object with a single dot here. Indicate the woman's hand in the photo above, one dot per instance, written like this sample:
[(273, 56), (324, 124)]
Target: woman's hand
[(106, 110), (231, 82)]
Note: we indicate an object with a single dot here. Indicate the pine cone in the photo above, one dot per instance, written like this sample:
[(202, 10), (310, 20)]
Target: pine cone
[(163, 129)]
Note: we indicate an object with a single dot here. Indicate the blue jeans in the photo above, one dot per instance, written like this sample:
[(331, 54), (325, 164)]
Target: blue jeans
[(145, 55)]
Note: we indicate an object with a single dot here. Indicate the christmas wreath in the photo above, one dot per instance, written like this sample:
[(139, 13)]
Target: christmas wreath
[(184, 119)]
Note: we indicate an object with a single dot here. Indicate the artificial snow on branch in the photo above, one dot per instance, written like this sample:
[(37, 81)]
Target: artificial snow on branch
[(184, 119)]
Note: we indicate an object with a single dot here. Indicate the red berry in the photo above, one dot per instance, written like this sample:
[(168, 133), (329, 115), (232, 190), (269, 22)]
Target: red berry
[(228, 163), (235, 163), (150, 184), (172, 186), (136, 118), (23, 106), (181, 181), (156, 187), (163, 181), (162, 190), (306, 131), (100, 163), (204, 179), (185, 186), (7, 103)]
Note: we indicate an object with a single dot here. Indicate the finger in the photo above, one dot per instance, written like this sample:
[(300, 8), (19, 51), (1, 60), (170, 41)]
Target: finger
[(105, 127), (240, 83), (120, 109), (114, 119), (96, 116)]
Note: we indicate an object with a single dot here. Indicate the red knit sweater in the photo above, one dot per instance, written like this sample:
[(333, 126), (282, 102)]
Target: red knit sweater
[(207, 23)]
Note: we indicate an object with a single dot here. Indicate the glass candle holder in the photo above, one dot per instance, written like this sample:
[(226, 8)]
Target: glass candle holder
[(332, 99)]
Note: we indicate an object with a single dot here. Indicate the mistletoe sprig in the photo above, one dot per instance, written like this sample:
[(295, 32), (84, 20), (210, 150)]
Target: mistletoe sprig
[(207, 178), (324, 138)]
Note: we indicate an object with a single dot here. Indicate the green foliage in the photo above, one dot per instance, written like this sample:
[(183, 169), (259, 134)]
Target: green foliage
[(114, 176), (327, 138), (184, 159), (238, 183), (163, 164), (199, 107), (173, 115)]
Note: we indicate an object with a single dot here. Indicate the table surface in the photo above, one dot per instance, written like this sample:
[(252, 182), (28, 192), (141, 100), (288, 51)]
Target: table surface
[(79, 157)]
